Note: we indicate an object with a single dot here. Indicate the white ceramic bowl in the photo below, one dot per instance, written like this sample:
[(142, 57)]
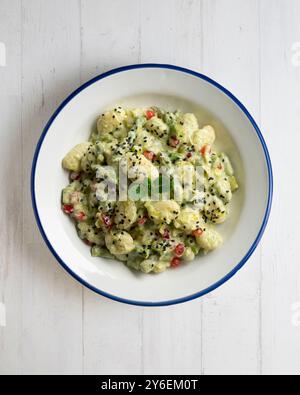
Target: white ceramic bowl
[(237, 134)]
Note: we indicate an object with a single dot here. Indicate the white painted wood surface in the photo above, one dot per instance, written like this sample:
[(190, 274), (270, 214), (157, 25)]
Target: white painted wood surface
[(52, 325)]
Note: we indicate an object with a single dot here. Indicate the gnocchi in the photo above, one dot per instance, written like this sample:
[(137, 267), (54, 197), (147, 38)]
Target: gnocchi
[(169, 221)]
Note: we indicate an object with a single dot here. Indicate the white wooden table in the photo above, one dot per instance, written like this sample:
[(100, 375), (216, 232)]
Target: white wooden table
[(48, 322)]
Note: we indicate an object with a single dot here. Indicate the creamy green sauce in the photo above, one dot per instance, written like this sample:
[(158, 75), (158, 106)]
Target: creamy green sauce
[(165, 221)]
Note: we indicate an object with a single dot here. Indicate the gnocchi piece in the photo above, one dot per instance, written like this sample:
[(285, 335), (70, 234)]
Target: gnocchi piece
[(126, 215), (209, 240), (190, 123), (148, 265), (148, 142), (202, 137), (139, 167), (119, 243), (111, 120), (183, 127), (145, 139), (223, 189), (163, 211), (227, 164), (189, 220), (94, 156), (72, 161), (157, 126), (215, 210)]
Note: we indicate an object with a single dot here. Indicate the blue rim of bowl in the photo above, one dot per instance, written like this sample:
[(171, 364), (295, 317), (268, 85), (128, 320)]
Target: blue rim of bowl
[(270, 193)]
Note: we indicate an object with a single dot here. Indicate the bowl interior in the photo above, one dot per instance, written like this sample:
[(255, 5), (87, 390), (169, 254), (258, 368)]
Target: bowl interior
[(171, 89)]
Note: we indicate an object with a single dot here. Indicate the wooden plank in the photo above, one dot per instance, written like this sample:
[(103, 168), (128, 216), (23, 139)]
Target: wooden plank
[(110, 35), (112, 337), (172, 35), (51, 307), (231, 320), (112, 331), (11, 185), (172, 342), (281, 122)]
